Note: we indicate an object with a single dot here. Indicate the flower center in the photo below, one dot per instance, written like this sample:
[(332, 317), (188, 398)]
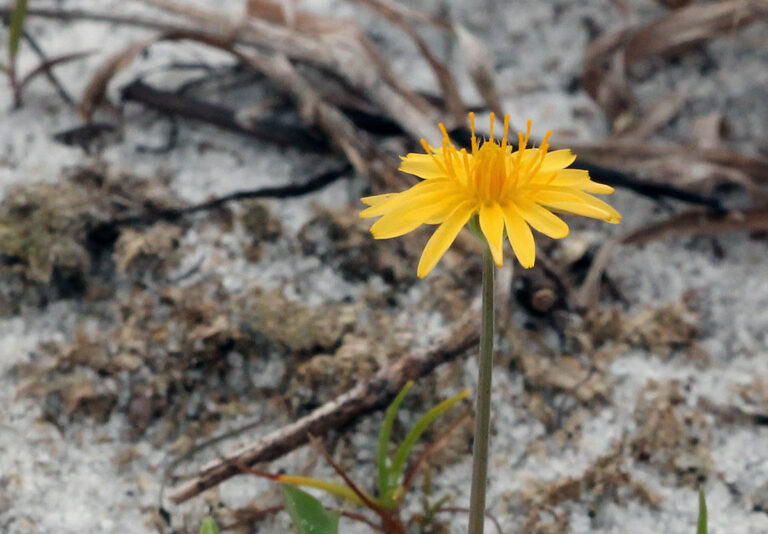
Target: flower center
[(491, 174)]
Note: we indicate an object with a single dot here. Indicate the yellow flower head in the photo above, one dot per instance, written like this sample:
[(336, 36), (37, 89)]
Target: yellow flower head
[(512, 189)]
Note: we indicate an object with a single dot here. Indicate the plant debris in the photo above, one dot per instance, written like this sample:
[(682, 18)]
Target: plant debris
[(606, 480), (342, 240), (55, 237), (670, 435)]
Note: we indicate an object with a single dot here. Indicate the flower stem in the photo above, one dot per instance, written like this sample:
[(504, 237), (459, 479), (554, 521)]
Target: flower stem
[(483, 405)]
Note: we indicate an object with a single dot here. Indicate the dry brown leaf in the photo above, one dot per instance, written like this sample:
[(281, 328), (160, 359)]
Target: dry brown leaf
[(286, 14), (96, 90), (674, 4), (678, 31), (709, 131), (689, 26), (406, 12), (399, 16), (608, 56), (648, 123), (349, 54)]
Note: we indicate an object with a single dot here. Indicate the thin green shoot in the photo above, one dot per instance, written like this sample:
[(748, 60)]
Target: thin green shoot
[(209, 526), (405, 448), (382, 456), (701, 526), (16, 30)]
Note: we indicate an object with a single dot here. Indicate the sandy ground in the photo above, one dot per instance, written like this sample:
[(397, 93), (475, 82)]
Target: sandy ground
[(71, 480)]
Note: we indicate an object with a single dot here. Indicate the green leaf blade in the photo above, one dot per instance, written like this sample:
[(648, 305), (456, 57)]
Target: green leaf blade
[(209, 526), (308, 513), (404, 450), (382, 459), (16, 29), (701, 526)]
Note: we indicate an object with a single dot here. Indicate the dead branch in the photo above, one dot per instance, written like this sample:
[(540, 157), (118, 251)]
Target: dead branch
[(733, 414), (173, 104), (611, 151), (361, 152), (46, 67), (400, 16), (648, 188), (364, 154), (349, 53), (368, 396), (153, 214), (70, 15), (680, 30)]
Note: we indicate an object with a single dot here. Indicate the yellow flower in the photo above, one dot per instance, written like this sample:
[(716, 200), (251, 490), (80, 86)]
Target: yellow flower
[(508, 189)]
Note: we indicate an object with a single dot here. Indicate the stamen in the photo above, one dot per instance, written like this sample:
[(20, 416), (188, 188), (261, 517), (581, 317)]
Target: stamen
[(521, 143), (497, 173), (540, 155), (446, 137), (450, 152), (465, 157), (528, 131), (506, 131), (428, 150), (490, 135)]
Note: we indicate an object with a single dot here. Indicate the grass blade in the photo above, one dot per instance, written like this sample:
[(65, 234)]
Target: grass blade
[(701, 526), (404, 450), (308, 514), (209, 526), (382, 459), (16, 29), (330, 487)]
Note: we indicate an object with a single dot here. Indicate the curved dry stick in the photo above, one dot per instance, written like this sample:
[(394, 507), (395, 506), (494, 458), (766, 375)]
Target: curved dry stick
[(367, 397), (431, 448), (694, 222)]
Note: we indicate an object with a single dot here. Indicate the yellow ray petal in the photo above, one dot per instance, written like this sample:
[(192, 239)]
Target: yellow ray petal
[(579, 179), (543, 220), (432, 208), (439, 213), (557, 159), (412, 214), (375, 200), (397, 200), (520, 236), (492, 225), (422, 165), (443, 237), (392, 226), (579, 203)]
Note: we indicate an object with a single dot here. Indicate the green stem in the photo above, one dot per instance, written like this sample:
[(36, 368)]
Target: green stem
[(483, 406)]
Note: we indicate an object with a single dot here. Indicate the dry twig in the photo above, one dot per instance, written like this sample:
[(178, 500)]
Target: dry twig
[(368, 396), (694, 222)]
